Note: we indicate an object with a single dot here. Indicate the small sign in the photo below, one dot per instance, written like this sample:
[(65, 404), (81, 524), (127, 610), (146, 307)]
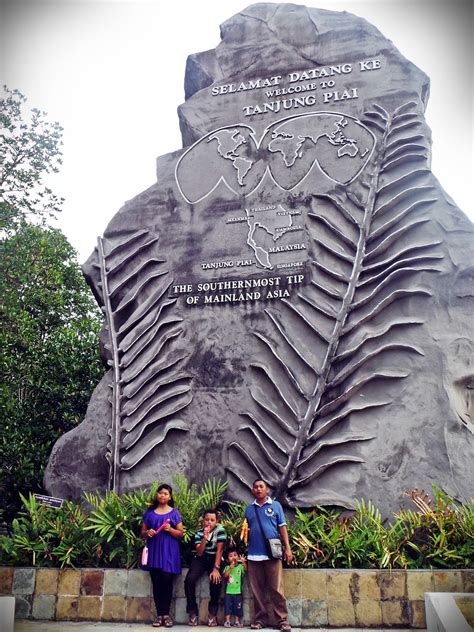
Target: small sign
[(4, 530), (49, 501)]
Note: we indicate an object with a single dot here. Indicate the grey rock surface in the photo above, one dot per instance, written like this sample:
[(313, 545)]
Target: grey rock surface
[(335, 358)]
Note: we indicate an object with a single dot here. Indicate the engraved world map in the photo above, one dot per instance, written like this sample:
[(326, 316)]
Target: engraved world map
[(289, 149)]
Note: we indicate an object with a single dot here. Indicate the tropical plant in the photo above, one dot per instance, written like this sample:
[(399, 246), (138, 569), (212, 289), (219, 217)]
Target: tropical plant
[(232, 519), (70, 544), (364, 541), (115, 520), (43, 536), (191, 501), (104, 531), (440, 534), (313, 535)]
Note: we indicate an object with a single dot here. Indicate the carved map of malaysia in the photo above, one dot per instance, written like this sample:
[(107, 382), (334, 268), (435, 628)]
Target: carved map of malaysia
[(275, 223), (292, 298)]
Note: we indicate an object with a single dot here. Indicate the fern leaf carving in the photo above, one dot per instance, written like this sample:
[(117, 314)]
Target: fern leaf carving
[(345, 329), (149, 388)]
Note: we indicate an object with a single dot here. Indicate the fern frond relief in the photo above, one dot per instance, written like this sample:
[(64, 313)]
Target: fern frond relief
[(350, 327), (149, 388)]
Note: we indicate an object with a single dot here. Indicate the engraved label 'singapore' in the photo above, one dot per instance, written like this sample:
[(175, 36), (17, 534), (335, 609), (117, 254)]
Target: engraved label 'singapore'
[(291, 264)]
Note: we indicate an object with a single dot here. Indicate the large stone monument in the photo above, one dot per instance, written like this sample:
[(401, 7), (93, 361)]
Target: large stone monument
[(293, 297)]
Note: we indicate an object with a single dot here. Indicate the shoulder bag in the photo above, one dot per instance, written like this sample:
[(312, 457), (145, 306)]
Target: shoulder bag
[(274, 548)]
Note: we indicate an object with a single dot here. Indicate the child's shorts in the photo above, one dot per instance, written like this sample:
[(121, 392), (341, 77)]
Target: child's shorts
[(233, 604)]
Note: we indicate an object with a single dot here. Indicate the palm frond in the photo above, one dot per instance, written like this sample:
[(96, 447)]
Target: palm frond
[(344, 329)]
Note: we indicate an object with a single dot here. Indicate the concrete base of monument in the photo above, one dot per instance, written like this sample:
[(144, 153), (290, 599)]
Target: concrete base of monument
[(7, 612), (446, 612), (359, 599)]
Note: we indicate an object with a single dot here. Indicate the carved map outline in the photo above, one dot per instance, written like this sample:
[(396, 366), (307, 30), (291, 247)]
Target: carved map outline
[(260, 158)]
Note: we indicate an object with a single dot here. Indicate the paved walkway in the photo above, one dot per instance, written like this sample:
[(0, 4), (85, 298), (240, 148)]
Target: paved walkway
[(64, 626)]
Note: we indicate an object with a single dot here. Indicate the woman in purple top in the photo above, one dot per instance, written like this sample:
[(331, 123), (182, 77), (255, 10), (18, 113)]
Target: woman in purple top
[(162, 528)]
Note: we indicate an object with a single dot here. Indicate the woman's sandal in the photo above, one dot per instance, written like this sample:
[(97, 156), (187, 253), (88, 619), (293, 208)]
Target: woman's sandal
[(193, 620), (212, 622), (285, 627), (167, 621), (158, 622), (256, 626)]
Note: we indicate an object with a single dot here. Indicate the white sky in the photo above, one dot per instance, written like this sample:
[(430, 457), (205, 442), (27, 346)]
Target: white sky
[(112, 73)]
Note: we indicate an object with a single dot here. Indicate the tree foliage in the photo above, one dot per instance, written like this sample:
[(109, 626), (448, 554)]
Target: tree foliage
[(49, 323), (49, 361), (30, 149)]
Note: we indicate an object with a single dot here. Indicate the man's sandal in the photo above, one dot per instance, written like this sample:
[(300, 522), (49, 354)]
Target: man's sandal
[(256, 626), (212, 622), (158, 622), (193, 620), (167, 621), (285, 627)]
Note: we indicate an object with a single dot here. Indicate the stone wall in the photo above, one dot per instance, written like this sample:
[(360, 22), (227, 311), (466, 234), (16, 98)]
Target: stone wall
[(338, 598)]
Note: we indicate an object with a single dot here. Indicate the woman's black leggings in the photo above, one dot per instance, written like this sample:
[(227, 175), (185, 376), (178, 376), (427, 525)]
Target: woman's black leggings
[(162, 590)]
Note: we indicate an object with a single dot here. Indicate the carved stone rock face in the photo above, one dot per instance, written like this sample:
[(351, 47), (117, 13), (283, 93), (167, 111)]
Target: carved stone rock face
[(291, 300)]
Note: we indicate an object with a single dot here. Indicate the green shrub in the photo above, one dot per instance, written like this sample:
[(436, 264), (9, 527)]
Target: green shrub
[(322, 538), (192, 501), (42, 536), (115, 521), (439, 535), (104, 531)]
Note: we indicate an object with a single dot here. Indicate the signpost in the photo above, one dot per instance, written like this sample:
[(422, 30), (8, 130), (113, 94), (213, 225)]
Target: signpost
[(49, 501)]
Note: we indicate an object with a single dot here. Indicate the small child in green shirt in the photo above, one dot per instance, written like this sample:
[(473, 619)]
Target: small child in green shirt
[(233, 576)]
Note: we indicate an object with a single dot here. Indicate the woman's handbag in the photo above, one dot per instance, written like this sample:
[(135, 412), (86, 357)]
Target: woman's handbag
[(144, 556), (274, 548)]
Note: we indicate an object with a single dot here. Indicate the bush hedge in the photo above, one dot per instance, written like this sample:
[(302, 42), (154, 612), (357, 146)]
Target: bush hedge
[(103, 531)]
